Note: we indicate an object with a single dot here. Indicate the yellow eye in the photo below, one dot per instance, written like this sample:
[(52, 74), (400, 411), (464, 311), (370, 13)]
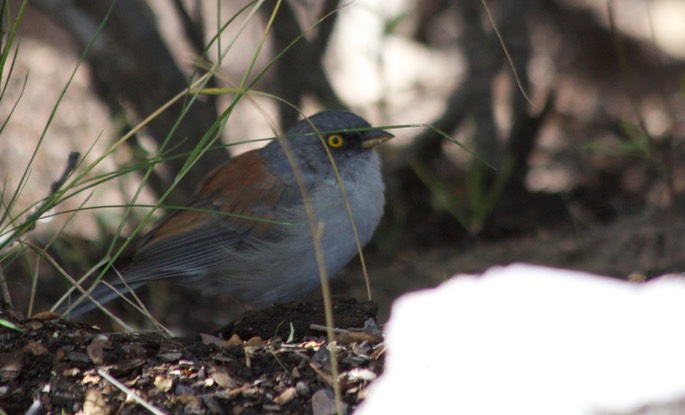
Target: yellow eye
[(335, 140)]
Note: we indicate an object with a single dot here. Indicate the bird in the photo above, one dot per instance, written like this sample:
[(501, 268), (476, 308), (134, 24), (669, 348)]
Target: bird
[(248, 232)]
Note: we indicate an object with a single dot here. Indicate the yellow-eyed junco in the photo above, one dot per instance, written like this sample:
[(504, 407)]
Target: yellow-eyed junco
[(246, 231)]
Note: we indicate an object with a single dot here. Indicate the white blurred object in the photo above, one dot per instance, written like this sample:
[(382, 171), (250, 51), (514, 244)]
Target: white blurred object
[(533, 340)]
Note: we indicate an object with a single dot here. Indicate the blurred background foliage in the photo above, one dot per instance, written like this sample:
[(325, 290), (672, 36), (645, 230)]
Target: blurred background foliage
[(571, 112)]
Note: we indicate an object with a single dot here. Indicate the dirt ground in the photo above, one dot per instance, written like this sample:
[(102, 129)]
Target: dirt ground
[(277, 360), (49, 365)]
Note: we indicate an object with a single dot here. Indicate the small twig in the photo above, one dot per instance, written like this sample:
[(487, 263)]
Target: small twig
[(5, 290), (55, 187), (366, 329), (130, 393), (517, 78), (326, 377), (71, 165), (323, 328)]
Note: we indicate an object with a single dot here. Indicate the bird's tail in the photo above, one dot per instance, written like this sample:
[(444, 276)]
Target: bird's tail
[(103, 293)]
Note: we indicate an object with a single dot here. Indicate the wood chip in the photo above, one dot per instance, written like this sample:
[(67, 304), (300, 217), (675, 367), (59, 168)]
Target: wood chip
[(286, 396), (163, 383)]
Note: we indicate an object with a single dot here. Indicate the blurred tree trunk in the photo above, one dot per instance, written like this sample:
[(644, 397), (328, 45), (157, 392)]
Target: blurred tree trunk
[(133, 69), (300, 71)]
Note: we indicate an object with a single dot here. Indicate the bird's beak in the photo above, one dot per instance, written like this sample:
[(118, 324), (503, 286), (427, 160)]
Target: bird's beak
[(375, 137)]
